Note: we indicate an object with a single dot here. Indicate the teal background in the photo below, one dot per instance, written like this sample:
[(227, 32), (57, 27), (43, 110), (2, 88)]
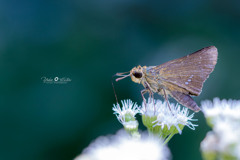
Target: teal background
[(88, 42)]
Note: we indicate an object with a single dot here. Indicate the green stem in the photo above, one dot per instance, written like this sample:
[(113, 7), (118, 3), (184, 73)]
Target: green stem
[(168, 138)]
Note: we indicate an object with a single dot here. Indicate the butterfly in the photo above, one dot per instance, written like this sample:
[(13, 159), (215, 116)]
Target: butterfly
[(180, 78)]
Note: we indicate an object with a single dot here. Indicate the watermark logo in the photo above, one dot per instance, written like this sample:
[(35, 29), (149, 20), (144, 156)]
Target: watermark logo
[(55, 80)]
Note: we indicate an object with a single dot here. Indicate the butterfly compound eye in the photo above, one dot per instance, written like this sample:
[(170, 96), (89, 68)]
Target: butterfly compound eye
[(137, 74)]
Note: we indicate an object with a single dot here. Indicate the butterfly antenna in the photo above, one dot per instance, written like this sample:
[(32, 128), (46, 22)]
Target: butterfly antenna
[(114, 88), (123, 76)]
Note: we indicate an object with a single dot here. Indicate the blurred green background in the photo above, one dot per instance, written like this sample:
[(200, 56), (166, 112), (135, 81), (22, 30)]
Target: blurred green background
[(88, 42)]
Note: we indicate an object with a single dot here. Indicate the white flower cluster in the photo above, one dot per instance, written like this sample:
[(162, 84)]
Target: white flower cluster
[(221, 109), (224, 118), (168, 117), (164, 116), (123, 147), (162, 121)]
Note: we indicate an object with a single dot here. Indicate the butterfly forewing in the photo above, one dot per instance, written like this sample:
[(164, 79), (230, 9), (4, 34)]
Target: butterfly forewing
[(188, 72)]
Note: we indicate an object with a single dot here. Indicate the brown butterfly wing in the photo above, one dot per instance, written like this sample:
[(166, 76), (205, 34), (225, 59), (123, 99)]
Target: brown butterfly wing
[(188, 72)]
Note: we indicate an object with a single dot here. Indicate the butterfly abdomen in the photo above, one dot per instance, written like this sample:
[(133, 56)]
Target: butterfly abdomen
[(185, 100)]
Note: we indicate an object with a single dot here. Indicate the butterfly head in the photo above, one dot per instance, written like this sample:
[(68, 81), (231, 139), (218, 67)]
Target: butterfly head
[(136, 74)]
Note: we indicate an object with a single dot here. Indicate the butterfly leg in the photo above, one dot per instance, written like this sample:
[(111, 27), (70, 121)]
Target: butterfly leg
[(152, 99), (151, 95), (142, 93), (166, 99)]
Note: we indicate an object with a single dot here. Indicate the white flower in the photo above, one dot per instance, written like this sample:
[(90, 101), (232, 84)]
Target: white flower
[(228, 134), (210, 142), (236, 151), (224, 139), (150, 109), (224, 117), (126, 115), (131, 125), (123, 147), (166, 117), (129, 110), (221, 109)]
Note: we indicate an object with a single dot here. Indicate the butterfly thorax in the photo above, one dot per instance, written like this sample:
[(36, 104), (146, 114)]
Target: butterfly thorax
[(142, 76), (154, 83)]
